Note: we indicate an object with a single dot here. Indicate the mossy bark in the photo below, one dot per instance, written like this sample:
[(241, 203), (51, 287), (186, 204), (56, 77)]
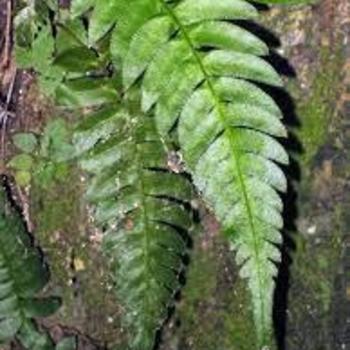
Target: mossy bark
[(213, 312)]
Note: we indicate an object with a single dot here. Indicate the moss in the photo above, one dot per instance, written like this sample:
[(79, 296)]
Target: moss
[(314, 269), (315, 265), (78, 271), (239, 327), (198, 296), (57, 213), (317, 112), (215, 311)]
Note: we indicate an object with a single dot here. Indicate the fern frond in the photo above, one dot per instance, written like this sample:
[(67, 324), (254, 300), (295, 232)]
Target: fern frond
[(196, 67), (141, 206), (22, 276)]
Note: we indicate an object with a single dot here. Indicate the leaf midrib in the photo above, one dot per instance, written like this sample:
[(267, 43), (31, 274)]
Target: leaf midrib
[(228, 132)]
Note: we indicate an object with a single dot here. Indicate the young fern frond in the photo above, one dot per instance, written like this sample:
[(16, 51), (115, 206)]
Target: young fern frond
[(196, 67), (22, 276), (141, 206)]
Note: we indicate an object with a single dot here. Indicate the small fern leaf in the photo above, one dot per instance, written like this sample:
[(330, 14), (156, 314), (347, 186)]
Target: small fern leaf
[(22, 276), (141, 206), (196, 75)]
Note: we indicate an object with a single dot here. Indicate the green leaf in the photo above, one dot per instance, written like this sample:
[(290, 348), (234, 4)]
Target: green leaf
[(77, 60), (52, 4), (86, 92), (223, 35), (24, 57), (35, 48), (104, 16), (25, 23), (78, 7), (31, 338), (22, 162), (42, 49), (193, 11), (26, 142), (71, 35), (40, 53), (154, 34), (51, 81), (221, 63), (102, 19), (56, 141), (196, 67), (48, 172), (286, 2)]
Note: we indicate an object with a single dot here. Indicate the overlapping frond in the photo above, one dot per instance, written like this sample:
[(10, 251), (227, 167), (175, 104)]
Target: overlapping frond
[(22, 276), (141, 207), (196, 68)]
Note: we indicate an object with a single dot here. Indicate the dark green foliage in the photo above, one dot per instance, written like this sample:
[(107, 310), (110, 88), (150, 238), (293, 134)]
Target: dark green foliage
[(22, 276), (141, 205), (57, 52)]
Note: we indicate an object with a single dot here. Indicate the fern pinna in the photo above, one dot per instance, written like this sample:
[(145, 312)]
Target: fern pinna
[(22, 276), (195, 65)]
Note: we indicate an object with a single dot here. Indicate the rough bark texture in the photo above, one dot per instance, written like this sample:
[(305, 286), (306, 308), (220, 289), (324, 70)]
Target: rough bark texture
[(313, 289)]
